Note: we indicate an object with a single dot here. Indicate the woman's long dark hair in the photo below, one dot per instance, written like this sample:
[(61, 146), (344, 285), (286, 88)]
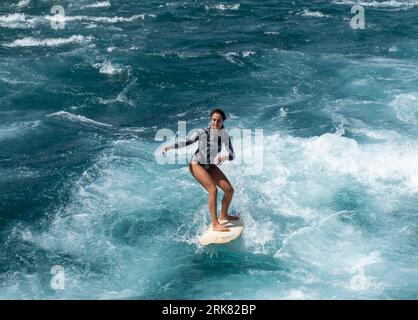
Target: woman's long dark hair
[(221, 112)]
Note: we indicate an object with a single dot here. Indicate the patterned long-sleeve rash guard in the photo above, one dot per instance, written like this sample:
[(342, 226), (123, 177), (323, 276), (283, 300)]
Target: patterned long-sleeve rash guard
[(210, 145)]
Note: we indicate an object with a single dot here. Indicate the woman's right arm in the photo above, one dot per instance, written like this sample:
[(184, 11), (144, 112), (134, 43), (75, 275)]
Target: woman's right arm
[(189, 140)]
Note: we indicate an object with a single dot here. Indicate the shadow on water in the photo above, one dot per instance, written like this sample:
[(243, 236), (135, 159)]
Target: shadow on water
[(199, 272), (145, 226)]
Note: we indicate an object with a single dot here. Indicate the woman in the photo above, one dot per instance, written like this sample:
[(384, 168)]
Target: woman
[(204, 165)]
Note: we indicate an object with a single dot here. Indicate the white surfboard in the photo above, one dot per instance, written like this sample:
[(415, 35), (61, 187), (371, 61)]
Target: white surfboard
[(212, 237)]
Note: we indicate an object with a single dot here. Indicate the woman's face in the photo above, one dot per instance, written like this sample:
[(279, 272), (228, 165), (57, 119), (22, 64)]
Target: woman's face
[(216, 121)]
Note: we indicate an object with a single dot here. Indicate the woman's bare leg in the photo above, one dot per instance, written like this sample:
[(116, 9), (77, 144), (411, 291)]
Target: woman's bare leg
[(222, 182), (205, 180)]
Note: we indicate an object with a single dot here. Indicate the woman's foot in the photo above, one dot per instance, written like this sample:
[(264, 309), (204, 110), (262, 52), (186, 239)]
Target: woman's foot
[(219, 227), (228, 217)]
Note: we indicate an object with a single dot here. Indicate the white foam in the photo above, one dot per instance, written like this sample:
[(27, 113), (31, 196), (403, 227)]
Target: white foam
[(85, 226), (121, 97), (367, 163), (308, 13), (406, 107), (108, 68), (23, 3), (232, 57), (134, 129), (393, 49), (224, 6), (13, 17), (247, 53), (103, 4), (21, 20), (91, 26), (361, 281), (255, 241), (408, 4), (283, 112), (77, 118), (100, 19), (179, 54), (15, 20), (295, 295), (301, 178), (33, 42), (386, 135)]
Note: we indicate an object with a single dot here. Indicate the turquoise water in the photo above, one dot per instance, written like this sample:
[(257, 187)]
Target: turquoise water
[(333, 214)]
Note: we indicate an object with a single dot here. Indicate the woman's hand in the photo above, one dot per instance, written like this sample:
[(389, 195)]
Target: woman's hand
[(165, 150), (220, 159)]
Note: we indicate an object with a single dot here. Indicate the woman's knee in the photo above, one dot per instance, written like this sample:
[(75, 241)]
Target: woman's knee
[(212, 189), (229, 190)]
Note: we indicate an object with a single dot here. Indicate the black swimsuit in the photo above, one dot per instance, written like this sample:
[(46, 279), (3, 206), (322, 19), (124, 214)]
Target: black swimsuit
[(207, 166)]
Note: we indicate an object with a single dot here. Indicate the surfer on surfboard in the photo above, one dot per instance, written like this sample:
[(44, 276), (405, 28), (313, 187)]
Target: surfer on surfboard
[(205, 161)]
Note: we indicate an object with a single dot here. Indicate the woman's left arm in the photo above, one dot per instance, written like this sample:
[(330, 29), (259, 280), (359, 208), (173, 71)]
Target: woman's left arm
[(229, 148)]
